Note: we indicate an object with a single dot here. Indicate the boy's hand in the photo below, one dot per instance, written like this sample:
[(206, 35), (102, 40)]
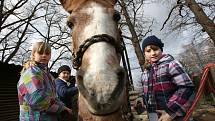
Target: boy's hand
[(164, 116), (68, 110)]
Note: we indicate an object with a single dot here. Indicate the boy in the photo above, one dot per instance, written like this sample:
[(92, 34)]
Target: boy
[(66, 91)]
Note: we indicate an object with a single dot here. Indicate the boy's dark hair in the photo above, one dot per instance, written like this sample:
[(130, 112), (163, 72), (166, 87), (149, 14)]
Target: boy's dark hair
[(64, 68)]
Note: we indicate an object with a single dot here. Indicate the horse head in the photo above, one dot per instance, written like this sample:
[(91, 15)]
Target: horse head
[(96, 50)]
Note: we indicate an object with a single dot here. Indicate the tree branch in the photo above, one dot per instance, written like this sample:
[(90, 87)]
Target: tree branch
[(169, 15)]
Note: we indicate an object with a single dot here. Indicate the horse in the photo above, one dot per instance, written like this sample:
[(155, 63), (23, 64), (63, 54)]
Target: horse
[(97, 51)]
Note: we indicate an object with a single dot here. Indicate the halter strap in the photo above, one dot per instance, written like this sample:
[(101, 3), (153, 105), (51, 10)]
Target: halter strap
[(77, 57)]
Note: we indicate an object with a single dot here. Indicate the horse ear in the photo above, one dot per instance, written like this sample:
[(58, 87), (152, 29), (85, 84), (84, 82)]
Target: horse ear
[(70, 5), (113, 2), (66, 5)]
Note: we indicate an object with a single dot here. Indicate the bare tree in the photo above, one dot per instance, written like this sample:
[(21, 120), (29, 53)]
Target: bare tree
[(14, 25), (136, 24), (57, 33), (197, 55), (27, 20), (199, 16)]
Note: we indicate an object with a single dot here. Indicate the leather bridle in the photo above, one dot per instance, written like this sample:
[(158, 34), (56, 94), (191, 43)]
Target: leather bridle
[(77, 57)]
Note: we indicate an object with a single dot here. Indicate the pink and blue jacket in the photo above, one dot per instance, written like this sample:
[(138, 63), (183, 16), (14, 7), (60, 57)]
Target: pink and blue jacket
[(37, 95)]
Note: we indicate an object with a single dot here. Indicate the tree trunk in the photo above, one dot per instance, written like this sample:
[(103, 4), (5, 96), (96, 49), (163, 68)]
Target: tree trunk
[(135, 41), (207, 24)]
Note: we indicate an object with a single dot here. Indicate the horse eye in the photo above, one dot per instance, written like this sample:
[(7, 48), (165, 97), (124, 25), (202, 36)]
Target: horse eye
[(70, 21), (116, 16), (70, 24)]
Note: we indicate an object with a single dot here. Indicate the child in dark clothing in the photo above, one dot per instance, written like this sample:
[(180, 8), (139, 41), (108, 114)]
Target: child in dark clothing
[(67, 92), (167, 89)]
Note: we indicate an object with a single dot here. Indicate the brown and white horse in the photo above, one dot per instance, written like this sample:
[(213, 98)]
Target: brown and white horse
[(96, 47)]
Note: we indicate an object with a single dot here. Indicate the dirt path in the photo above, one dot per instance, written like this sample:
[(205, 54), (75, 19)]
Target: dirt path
[(207, 114)]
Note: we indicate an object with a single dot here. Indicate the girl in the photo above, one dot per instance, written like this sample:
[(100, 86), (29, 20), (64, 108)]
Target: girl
[(36, 88), (167, 89)]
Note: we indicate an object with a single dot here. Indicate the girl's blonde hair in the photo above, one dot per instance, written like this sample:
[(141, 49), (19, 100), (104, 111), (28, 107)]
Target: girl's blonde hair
[(39, 47)]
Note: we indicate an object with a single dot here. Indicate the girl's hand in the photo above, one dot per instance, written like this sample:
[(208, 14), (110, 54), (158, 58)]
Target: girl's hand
[(164, 116), (139, 105), (137, 101)]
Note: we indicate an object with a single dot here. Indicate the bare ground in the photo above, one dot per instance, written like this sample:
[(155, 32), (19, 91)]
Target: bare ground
[(205, 113)]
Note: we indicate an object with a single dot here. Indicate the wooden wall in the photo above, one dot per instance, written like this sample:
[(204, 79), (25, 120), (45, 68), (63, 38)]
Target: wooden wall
[(9, 105)]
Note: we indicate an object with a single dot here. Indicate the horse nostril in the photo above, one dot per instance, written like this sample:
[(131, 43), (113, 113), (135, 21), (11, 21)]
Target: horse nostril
[(121, 74), (92, 93), (79, 77)]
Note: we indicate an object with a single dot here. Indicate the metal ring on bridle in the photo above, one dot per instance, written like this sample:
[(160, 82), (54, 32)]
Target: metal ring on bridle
[(77, 57)]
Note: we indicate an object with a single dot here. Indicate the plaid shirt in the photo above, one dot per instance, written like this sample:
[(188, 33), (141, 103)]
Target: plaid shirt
[(166, 86), (37, 95)]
